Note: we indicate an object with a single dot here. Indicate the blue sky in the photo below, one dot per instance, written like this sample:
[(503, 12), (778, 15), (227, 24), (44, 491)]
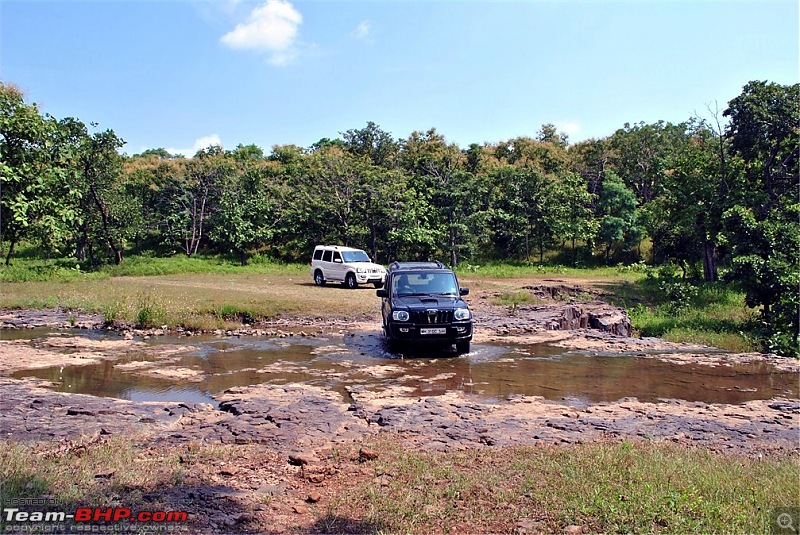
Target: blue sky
[(181, 74)]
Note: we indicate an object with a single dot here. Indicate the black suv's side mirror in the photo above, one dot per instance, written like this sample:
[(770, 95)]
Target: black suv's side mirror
[(463, 291), (382, 292)]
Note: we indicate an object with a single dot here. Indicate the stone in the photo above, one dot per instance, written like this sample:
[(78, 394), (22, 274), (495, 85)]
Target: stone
[(367, 454), (302, 458)]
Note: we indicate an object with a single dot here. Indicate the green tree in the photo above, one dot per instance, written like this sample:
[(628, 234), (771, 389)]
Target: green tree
[(762, 227), (438, 171), (572, 212), (246, 215), (29, 180), (373, 143), (684, 221), (190, 201), (619, 224)]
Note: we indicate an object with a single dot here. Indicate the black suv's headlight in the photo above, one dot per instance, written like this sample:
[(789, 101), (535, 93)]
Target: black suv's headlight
[(400, 315), (461, 314)]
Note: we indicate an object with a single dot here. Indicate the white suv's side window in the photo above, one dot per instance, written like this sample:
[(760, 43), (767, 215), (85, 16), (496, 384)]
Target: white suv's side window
[(318, 254), (337, 256), (327, 256)]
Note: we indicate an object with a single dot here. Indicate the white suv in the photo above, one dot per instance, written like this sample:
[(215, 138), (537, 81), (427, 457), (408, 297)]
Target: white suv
[(345, 264)]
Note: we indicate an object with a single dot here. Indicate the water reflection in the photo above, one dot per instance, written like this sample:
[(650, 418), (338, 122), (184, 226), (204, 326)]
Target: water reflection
[(489, 372)]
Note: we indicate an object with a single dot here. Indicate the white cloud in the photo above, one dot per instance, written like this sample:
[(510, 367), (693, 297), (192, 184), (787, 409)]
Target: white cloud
[(202, 143), (569, 127), (363, 30), (270, 28)]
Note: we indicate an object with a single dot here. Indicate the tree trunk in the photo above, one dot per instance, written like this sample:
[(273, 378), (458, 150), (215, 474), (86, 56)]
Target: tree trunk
[(243, 257), (453, 257), (10, 252), (106, 230), (709, 262)]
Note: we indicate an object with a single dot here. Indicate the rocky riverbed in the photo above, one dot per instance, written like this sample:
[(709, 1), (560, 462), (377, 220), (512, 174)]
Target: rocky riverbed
[(295, 443), (291, 416)]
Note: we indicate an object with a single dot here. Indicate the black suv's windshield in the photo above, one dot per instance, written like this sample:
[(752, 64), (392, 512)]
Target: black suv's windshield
[(423, 283), (354, 256)]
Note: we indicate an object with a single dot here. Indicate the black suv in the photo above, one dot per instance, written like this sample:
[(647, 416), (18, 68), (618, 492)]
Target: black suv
[(422, 304)]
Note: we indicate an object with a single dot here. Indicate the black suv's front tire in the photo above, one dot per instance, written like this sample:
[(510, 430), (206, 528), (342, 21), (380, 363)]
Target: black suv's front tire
[(350, 281), (462, 347), (319, 280)]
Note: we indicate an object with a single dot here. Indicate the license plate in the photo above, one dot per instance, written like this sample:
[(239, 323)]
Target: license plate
[(434, 330)]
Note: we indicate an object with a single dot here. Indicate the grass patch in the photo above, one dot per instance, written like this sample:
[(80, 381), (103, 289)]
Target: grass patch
[(603, 487), (711, 314), (514, 270), (101, 474), (513, 299)]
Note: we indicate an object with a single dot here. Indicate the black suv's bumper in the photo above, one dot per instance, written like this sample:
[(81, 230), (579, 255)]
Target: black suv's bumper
[(430, 333)]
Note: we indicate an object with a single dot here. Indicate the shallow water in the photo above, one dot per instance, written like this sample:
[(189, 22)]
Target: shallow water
[(488, 372)]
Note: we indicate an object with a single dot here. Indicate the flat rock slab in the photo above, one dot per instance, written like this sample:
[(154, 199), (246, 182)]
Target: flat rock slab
[(297, 417), (48, 318), (450, 421), (31, 412)]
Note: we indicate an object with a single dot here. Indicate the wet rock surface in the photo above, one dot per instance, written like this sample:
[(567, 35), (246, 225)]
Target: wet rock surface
[(281, 416), (31, 412), (53, 318), (447, 422), (294, 418)]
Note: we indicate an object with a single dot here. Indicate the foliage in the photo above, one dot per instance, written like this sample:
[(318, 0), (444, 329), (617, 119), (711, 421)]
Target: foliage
[(709, 200)]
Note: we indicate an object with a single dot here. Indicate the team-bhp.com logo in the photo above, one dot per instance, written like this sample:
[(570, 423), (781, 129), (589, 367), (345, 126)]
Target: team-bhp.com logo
[(91, 515)]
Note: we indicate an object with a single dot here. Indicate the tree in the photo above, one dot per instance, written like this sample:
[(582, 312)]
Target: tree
[(572, 213), (189, 201), (639, 154), (438, 169), (684, 220), (100, 171), (373, 143), (246, 214), (523, 212), (764, 132), (762, 227), (27, 175), (619, 224)]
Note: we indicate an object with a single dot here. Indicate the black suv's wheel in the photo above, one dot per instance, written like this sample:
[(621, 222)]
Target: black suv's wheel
[(350, 281), (462, 347), (319, 280)]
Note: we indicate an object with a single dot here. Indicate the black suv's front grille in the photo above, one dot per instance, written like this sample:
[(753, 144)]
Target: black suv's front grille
[(431, 316)]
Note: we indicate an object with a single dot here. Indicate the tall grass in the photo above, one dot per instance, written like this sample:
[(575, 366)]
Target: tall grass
[(712, 314), (601, 487)]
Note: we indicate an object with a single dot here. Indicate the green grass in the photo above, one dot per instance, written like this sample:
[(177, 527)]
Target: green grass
[(515, 270), (27, 269), (650, 487), (716, 316), (515, 299), (67, 473), (602, 487), (210, 292)]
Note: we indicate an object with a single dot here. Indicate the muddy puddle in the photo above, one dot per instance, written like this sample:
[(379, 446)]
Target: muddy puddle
[(338, 362)]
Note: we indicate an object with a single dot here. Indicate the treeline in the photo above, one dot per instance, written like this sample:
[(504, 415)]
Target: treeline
[(709, 199)]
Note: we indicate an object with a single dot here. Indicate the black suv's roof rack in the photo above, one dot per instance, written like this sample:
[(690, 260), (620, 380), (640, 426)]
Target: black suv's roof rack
[(395, 266)]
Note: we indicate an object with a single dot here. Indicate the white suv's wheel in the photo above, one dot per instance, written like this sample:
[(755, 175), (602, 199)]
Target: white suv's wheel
[(350, 281), (319, 280)]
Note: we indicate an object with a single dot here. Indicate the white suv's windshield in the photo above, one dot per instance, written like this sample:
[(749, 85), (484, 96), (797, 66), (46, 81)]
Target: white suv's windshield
[(424, 284), (354, 256)]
